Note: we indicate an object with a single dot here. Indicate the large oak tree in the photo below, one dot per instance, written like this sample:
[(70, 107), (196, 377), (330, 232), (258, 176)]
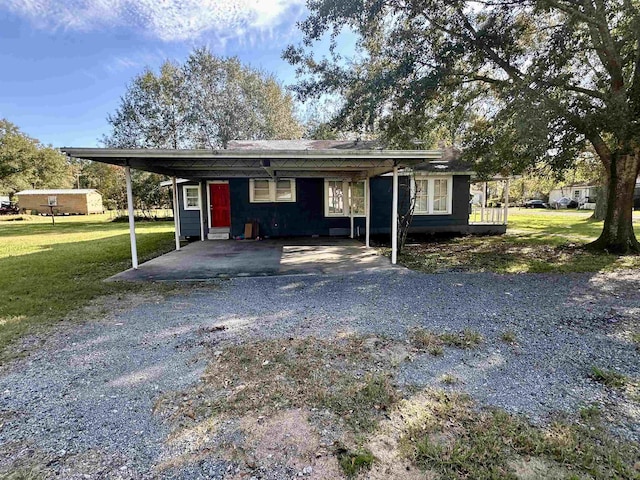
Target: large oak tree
[(537, 81)]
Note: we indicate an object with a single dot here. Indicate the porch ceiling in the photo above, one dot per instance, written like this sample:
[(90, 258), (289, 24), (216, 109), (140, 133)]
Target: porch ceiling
[(199, 164)]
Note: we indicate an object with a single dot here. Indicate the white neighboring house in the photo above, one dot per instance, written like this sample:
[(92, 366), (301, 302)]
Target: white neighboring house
[(583, 193)]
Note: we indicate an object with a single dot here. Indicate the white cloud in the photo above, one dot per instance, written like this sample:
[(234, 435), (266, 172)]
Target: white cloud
[(168, 20)]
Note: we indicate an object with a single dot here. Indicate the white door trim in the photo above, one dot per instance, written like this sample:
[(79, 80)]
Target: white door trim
[(209, 182)]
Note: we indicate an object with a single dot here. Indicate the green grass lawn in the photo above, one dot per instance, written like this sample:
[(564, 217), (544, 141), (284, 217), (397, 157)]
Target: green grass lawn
[(48, 271), (536, 241)]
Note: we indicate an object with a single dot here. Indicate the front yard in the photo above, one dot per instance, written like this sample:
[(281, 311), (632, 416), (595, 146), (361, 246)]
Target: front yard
[(370, 376), (536, 241), (379, 375), (48, 270)]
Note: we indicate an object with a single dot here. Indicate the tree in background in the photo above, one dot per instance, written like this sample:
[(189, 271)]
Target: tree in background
[(108, 180), (27, 164), (204, 103), (537, 82)]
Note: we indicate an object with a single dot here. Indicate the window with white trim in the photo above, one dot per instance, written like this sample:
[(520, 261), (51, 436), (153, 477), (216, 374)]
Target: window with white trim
[(421, 195), (284, 190), (440, 195), (433, 196), (338, 203), (358, 198), (52, 200), (269, 191), (191, 194), (334, 192)]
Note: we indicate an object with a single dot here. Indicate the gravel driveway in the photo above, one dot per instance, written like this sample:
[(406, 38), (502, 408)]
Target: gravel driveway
[(82, 403)]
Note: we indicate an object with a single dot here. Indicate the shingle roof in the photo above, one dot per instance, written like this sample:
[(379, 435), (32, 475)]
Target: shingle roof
[(450, 162), (60, 191), (304, 145)]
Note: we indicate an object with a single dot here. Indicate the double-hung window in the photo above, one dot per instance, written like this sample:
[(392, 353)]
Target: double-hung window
[(421, 195), (440, 195), (269, 191), (432, 196), (343, 198), (191, 195), (335, 194)]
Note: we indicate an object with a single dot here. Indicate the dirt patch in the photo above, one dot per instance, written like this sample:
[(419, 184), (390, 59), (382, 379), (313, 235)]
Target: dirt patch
[(299, 401), (347, 376), (289, 439)]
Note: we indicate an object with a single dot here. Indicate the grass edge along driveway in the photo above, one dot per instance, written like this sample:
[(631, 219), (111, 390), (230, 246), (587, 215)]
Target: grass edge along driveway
[(545, 241), (48, 271)]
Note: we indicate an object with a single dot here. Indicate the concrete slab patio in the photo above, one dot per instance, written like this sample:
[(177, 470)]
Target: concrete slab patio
[(232, 258)]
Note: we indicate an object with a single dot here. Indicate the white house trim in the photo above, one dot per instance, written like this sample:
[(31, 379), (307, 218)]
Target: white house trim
[(273, 189), (346, 191), (210, 182), (184, 197), (431, 191)]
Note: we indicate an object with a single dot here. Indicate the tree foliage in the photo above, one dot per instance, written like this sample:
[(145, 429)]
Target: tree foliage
[(27, 164), (204, 103), (524, 81)]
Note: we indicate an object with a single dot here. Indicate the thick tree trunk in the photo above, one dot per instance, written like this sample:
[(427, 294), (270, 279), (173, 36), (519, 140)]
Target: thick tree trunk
[(600, 211), (617, 235)]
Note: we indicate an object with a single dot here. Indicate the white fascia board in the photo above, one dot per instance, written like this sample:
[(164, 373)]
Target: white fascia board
[(95, 153)]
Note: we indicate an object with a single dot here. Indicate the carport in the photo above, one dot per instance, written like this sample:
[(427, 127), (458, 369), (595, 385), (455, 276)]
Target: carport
[(352, 164), (230, 258)]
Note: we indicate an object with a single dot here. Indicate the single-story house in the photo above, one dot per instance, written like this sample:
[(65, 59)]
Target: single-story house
[(305, 188), (63, 201)]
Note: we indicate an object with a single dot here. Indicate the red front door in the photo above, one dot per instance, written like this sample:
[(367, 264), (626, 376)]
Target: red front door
[(220, 205)]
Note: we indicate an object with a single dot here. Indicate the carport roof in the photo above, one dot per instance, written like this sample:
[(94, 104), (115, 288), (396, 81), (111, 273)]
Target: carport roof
[(273, 158)]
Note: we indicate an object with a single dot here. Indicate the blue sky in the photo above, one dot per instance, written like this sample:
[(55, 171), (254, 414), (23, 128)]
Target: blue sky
[(65, 63)]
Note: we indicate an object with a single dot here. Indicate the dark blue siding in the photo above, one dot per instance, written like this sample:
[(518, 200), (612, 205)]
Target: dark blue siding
[(189, 219), (381, 206), (305, 216)]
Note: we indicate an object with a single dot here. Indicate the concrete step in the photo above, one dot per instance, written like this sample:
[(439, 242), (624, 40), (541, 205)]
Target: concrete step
[(218, 236), (218, 233)]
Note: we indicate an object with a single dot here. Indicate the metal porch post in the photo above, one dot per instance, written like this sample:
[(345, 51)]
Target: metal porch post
[(350, 190), (201, 211), (132, 220), (394, 218), (506, 200), (368, 210), (176, 212), (484, 201)]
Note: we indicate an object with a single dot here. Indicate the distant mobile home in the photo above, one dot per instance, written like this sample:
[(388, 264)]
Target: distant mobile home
[(63, 201)]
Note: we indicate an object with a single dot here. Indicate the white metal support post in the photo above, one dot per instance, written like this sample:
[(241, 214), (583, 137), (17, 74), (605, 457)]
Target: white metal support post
[(394, 218), (200, 199), (132, 219), (176, 211), (368, 217), (484, 201), (506, 201), (350, 190)]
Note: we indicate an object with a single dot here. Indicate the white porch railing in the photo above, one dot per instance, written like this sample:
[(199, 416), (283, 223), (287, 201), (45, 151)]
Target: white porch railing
[(487, 215)]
